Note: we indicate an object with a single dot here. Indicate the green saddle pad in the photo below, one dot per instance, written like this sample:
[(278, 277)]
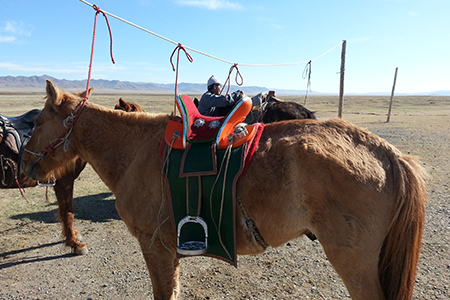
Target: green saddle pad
[(202, 182)]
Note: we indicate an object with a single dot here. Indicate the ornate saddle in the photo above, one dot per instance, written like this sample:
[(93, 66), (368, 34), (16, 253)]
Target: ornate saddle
[(15, 129), (203, 159), (194, 127)]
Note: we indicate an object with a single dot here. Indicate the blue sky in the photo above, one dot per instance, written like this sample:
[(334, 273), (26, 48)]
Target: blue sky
[(54, 38)]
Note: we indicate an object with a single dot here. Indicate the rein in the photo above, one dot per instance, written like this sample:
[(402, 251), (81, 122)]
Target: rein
[(68, 123)]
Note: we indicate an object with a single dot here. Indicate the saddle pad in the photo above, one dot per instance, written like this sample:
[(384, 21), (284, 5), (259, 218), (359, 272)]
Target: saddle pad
[(191, 165), (212, 197)]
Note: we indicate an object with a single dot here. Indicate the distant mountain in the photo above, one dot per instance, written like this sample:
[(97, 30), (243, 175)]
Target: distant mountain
[(37, 83)]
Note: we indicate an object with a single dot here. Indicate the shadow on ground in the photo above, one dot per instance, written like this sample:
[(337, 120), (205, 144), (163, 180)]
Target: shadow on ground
[(96, 208)]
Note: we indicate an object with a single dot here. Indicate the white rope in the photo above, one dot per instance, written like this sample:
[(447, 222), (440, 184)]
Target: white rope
[(206, 54)]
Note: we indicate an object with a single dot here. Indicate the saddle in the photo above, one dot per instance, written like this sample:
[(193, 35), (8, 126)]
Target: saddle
[(15, 129), (204, 157), (13, 133), (194, 127)]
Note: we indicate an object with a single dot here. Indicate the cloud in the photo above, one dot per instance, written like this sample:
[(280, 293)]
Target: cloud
[(212, 4), (38, 68), (7, 39), (18, 28)]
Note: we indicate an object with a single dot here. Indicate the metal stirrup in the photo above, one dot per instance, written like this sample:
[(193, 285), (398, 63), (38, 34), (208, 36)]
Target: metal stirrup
[(192, 247)]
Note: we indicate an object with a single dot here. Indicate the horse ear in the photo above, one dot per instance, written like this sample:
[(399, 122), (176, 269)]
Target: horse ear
[(83, 94), (53, 93), (122, 102)]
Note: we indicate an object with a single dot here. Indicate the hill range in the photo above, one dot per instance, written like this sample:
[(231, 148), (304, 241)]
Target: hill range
[(37, 84), (30, 84)]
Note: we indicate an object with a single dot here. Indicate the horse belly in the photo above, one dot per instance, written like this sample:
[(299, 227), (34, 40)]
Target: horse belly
[(276, 204)]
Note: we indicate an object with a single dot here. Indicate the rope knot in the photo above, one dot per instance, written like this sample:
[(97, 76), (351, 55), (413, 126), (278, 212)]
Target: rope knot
[(97, 9), (228, 81), (180, 47)]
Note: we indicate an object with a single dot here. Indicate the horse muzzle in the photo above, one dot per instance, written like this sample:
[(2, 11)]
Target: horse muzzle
[(30, 170)]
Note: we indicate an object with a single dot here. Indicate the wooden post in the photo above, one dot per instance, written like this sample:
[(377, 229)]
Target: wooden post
[(341, 85), (392, 96)]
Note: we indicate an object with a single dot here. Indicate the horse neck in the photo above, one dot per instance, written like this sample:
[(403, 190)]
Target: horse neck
[(110, 140)]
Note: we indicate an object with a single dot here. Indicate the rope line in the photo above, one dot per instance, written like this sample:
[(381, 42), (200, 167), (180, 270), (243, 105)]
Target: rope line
[(179, 47), (97, 11), (307, 75), (206, 54)]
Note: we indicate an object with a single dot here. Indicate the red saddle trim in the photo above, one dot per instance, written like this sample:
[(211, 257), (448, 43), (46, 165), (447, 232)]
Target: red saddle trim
[(252, 145)]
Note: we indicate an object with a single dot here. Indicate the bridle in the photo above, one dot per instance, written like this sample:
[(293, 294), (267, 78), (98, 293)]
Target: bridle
[(63, 138)]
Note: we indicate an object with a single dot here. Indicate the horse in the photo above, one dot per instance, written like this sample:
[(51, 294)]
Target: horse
[(63, 186), (273, 110), (361, 197), (128, 107)]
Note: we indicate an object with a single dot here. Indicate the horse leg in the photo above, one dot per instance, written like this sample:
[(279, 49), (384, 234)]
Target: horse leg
[(163, 267), (354, 253), (64, 195)]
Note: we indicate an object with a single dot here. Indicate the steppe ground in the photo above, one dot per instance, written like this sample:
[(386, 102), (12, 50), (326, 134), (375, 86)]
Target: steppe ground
[(34, 264)]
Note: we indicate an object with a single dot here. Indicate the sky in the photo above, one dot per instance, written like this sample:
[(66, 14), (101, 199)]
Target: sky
[(54, 37)]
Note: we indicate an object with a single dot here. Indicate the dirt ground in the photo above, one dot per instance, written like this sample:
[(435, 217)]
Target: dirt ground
[(34, 264)]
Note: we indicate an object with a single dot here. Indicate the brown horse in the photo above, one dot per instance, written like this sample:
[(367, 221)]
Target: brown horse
[(63, 186), (128, 107), (360, 195)]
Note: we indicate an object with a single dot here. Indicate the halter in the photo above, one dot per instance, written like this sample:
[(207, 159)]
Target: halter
[(68, 123)]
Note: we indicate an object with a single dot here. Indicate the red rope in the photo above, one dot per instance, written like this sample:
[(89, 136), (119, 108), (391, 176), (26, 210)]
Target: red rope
[(235, 66), (97, 11), (189, 57), (50, 148)]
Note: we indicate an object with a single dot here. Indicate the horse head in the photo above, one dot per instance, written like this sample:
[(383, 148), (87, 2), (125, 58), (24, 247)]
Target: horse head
[(128, 107), (49, 153)]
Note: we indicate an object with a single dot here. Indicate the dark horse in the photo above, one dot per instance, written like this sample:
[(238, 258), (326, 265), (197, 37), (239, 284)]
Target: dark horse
[(13, 130), (273, 110)]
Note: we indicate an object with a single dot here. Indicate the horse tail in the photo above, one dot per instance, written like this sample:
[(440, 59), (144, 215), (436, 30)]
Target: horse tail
[(400, 251)]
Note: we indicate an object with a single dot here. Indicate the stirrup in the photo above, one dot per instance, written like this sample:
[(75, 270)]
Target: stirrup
[(192, 247), (46, 183)]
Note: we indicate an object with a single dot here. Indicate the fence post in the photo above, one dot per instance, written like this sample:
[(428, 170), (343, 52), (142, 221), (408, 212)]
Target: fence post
[(341, 85), (392, 96)]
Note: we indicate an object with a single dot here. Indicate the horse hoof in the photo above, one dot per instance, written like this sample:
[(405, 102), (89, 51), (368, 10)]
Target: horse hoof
[(81, 251)]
